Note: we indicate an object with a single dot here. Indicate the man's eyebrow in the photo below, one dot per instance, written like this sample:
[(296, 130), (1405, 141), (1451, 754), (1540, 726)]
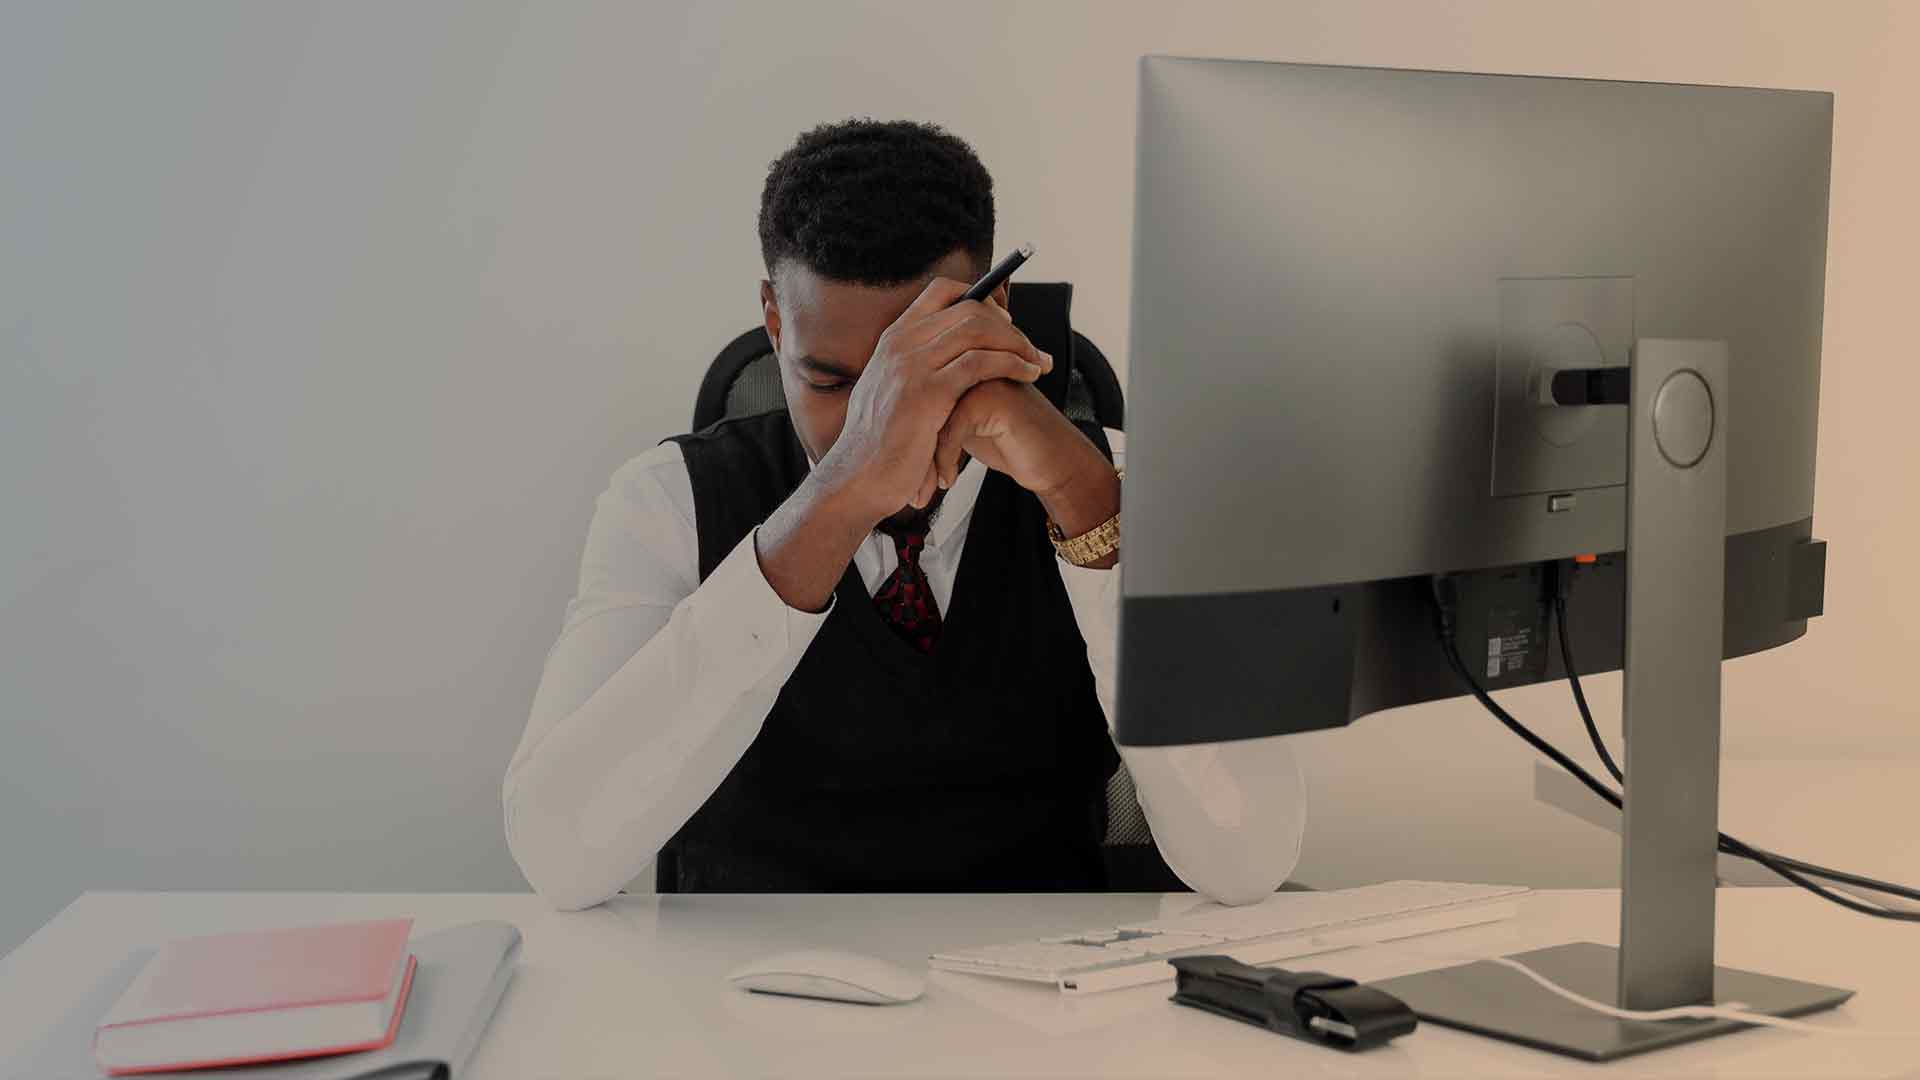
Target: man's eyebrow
[(828, 367)]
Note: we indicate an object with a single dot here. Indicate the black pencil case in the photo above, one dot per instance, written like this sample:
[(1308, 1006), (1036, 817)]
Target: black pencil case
[(1309, 1005)]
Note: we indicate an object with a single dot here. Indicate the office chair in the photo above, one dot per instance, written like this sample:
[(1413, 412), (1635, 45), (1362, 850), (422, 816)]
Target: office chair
[(744, 380)]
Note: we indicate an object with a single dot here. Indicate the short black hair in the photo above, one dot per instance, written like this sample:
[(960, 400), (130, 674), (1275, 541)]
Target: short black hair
[(876, 203)]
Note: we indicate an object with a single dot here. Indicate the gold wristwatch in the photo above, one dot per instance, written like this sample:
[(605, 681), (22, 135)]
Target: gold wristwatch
[(1091, 546)]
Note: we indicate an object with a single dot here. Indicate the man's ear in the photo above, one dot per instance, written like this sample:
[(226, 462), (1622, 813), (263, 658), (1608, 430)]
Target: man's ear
[(770, 313), (1003, 295)]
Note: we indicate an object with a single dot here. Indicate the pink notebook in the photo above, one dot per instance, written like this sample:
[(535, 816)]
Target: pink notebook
[(235, 999)]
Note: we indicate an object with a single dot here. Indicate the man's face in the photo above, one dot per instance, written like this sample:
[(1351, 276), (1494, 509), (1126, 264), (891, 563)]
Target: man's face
[(823, 334)]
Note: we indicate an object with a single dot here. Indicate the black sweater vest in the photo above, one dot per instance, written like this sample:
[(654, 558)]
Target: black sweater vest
[(979, 767)]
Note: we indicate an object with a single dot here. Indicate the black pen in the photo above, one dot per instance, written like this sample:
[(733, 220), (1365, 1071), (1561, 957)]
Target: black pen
[(999, 274)]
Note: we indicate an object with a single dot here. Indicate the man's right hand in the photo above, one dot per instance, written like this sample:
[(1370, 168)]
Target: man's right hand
[(934, 353)]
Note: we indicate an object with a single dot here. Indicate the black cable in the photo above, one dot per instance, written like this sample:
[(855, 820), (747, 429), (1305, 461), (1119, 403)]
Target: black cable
[(1736, 848), (1846, 878), (1728, 844), (1573, 680), (1444, 628)]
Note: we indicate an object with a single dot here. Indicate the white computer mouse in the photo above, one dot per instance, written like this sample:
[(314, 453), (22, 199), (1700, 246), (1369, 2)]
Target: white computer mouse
[(831, 976)]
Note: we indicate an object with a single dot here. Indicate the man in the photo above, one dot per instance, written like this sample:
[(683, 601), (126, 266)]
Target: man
[(779, 673)]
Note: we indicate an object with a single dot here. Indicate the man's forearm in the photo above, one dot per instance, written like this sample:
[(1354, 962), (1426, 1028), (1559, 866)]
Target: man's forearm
[(1088, 499), (805, 546), (1229, 818), (600, 782)]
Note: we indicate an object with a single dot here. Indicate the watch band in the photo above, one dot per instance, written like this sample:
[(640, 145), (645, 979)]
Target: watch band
[(1089, 547)]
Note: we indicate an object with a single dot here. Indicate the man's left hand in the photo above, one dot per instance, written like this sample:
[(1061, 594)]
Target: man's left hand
[(1011, 427)]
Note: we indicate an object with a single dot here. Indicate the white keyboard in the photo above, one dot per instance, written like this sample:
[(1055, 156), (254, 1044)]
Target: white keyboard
[(1287, 924)]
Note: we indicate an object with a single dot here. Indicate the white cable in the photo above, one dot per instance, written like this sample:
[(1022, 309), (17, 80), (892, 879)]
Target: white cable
[(1733, 1010), (1730, 1011), (1736, 1011)]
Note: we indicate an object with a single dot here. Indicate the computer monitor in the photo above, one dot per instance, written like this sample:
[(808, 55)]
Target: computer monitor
[(1366, 304)]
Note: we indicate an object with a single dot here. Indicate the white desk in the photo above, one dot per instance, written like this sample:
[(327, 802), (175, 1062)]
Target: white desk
[(634, 988)]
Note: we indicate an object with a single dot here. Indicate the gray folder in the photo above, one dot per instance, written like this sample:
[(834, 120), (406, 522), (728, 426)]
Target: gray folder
[(461, 974)]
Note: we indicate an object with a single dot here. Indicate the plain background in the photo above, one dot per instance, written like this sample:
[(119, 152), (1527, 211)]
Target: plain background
[(321, 326)]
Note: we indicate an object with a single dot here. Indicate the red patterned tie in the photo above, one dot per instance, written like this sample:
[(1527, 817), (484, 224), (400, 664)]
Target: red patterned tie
[(905, 600)]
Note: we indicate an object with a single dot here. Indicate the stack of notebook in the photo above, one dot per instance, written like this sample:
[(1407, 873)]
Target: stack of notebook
[(335, 1002), (273, 995)]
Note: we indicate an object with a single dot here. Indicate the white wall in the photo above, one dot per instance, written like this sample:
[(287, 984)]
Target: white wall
[(321, 326)]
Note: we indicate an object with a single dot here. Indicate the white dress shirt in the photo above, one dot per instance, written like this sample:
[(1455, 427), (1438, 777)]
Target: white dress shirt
[(659, 683)]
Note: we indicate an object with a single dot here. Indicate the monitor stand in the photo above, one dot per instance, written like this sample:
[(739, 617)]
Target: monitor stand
[(1676, 581)]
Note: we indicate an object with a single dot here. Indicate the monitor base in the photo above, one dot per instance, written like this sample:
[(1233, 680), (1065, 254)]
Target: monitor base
[(1487, 999)]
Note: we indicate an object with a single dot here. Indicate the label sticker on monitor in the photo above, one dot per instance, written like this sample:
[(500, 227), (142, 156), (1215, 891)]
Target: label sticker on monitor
[(1509, 653)]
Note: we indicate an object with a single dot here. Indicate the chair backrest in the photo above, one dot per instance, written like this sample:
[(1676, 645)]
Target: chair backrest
[(744, 380)]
